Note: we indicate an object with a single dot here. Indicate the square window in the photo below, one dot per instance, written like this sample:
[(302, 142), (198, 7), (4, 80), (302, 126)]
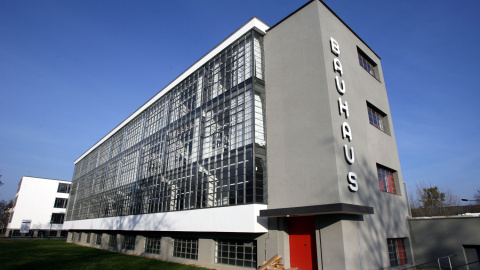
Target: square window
[(185, 248), (367, 63), (60, 203), (396, 251), (57, 218), (386, 179), (152, 245), (377, 118), (236, 252), (129, 242), (63, 188)]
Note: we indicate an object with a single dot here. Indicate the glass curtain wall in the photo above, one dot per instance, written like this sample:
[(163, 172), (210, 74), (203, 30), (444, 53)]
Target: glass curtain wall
[(200, 145)]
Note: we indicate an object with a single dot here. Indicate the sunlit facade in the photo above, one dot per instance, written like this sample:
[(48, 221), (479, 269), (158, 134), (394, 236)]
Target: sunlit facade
[(200, 145), (39, 208), (277, 141)]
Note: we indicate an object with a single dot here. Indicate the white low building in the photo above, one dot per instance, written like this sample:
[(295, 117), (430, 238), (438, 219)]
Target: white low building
[(39, 208)]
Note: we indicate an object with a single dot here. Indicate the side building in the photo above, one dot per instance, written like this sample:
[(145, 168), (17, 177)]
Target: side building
[(39, 208), (278, 141)]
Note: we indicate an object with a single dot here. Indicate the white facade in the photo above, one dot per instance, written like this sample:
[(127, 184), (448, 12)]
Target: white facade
[(236, 219), (35, 204)]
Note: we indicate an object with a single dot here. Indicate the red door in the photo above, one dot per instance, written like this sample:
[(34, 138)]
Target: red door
[(303, 250)]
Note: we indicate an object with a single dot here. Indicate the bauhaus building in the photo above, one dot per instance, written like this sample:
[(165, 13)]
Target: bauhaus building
[(277, 141)]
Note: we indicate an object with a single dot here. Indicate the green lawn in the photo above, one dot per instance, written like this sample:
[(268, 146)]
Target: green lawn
[(57, 254)]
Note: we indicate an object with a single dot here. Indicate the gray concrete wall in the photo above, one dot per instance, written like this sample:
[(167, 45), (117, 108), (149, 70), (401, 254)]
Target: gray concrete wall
[(300, 142), (206, 245), (305, 145), (437, 237)]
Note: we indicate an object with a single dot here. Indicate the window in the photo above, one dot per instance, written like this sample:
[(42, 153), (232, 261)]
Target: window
[(63, 233), (57, 218), (98, 240), (386, 179), (16, 233), (87, 239), (79, 237), (112, 240), (152, 245), (236, 252), (63, 188), (185, 248), (210, 122), (53, 233), (376, 117), (128, 242), (60, 203), (396, 251), (367, 63)]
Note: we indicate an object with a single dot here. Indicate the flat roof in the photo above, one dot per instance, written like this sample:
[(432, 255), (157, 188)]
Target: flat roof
[(253, 23), (334, 14)]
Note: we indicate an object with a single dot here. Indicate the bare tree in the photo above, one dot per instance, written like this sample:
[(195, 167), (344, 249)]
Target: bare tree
[(428, 200), (4, 215), (477, 196)]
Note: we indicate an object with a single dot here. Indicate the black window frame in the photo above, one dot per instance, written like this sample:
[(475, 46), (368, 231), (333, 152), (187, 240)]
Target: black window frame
[(368, 64), (375, 116), (60, 203), (64, 188), (57, 218)]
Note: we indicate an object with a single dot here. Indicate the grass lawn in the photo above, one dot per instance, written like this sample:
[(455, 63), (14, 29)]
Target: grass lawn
[(57, 254)]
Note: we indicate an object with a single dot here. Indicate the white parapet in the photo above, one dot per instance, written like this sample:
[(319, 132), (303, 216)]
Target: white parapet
[(237, 219)]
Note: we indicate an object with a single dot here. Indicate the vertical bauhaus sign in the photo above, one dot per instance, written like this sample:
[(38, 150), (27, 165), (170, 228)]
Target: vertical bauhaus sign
[(343, 111)]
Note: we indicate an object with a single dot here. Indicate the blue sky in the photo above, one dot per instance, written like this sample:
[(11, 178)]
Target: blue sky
[(70, 71)]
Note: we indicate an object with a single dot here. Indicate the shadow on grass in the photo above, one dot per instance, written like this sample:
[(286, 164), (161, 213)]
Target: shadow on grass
[(57, 254)]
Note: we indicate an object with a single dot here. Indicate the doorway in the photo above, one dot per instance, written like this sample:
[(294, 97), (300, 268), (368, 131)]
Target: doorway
[(303, 248)]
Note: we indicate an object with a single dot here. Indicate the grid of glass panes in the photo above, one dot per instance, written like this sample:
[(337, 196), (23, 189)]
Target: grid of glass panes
[(128, 242), (185, 248), (112, 240), (87, 239), (192, 148), (396, 251), (375, 119), (236, 252), (51, 233), (98, 239), (79, 237), (386, 180), (152, 245)]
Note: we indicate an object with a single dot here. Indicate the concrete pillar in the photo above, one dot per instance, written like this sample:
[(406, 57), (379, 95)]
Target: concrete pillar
[(139, 245), (166, 247), (206, 248)]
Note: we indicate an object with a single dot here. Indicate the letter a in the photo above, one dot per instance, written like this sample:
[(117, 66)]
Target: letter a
[(337, 66), (346, 132)]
